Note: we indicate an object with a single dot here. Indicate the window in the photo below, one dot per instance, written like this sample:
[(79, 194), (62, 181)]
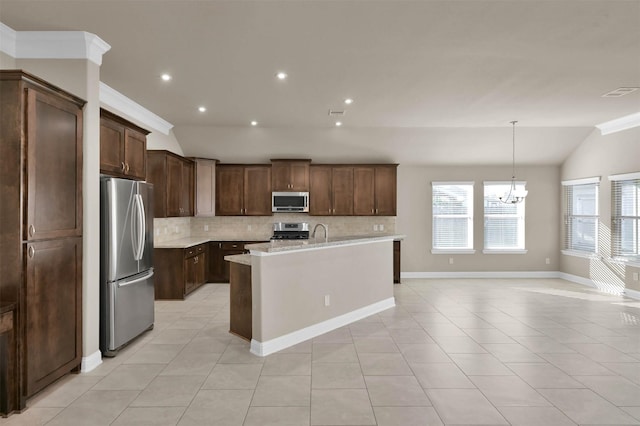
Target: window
[(503, 223), (625, 220), (452, 217), (581, 215)]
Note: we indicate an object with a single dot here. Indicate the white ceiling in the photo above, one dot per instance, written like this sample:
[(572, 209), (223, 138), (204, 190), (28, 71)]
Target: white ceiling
[(413, 66)]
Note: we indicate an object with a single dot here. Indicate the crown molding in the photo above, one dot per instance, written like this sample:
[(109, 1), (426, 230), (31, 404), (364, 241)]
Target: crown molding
[(619, 124), (116, 102), (52, 44)]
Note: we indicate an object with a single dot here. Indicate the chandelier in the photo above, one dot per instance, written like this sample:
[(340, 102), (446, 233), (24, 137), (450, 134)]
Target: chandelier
[(514, 195)]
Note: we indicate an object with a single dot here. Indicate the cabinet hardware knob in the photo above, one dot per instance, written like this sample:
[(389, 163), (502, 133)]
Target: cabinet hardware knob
[(32, 252), (124, 168), (32, 230), (127, 166), (376, 211), (371, 210)]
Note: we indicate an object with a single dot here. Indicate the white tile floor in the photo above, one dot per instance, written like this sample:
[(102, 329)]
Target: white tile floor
[(456, 352)]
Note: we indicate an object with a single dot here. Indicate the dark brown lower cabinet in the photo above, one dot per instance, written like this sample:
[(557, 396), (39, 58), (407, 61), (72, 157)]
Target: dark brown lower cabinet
[(179, 271), (9, 394), (219, 271), (240, 316), (396, 262), (53, 321)]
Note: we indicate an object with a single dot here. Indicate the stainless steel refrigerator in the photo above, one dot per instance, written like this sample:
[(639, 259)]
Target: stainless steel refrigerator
[(126, 261)]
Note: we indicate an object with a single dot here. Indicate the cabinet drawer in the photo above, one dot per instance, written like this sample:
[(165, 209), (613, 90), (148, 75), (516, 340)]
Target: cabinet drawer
[(193, 251), (232, 245)]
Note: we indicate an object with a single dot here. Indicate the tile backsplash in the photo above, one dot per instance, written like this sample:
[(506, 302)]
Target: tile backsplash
[(260, 227)]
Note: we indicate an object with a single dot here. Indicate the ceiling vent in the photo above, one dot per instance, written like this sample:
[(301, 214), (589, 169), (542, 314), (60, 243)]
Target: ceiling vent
[(335, 113), (620, 91)]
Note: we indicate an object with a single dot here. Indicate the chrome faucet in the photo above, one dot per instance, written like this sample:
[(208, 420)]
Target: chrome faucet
[(326, 231)]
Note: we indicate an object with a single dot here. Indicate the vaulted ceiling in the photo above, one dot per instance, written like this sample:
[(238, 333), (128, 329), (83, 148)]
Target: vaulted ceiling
[(452, 69)]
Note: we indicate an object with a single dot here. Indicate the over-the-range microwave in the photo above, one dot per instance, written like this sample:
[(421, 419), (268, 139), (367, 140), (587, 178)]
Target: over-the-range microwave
[(289, 202)]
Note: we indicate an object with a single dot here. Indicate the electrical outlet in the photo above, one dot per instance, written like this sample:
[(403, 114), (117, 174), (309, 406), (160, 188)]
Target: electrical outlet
[(381, 227), (635, 276), (547, 261), (249, 227), (206, 227), (327, 300), (375, 227), (451, 261), (157, 231)]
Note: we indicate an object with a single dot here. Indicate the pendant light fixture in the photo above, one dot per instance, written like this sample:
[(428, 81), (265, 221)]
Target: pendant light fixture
[(514, 195)]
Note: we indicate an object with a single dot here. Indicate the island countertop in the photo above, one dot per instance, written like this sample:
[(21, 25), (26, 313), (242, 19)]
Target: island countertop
[(280, 246)]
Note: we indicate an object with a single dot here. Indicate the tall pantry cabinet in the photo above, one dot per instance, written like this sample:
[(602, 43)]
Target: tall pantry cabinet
[(40, 230)]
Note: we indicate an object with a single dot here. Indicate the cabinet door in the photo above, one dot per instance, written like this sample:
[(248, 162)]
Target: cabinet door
[(229, 190), (112, 147), (186, 190), (54, 167), (201, 269), (299, 172), (135, 154), (205, 190), (215, 263), (363, 191), (53, 304), (342, 189), (190, 274), (320, 200), (281, 176), (257, 190), (385, 187), (174, 186)]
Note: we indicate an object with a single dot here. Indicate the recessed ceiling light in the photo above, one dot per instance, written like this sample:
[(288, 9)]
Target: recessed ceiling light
[(281, 75), (254, 123), (348, 101), (166, 77), (202, 109), (338, 123)]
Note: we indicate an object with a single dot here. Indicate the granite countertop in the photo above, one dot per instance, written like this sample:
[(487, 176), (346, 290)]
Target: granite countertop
[(183, 242), (243, 259), (278, 246)]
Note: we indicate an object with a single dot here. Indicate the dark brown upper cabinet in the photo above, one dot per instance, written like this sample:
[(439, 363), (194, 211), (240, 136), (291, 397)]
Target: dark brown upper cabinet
[(123, 147), (290, 175), (172, 177), (243, 190)]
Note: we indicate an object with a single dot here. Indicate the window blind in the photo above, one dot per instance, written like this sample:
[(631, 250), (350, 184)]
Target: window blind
[(503, 223), (581, 216), (625, 221), (452, 207)]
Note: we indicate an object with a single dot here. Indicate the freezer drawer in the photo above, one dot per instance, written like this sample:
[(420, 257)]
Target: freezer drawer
[(127, 311)]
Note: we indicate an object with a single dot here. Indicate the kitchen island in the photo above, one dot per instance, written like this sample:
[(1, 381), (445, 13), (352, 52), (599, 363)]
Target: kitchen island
[(303, 288)]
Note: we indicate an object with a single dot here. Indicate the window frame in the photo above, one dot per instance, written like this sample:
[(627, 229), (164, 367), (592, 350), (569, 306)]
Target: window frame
[(567, 236), (469, 216), (520, 215), (617, 217)]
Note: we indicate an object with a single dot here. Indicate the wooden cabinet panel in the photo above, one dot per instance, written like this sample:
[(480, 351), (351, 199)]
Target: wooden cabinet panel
[(385, 190), (40, 203), (243, 190), (363, 191), (240, 301), (172, 177), (342, 188), (53, 291), (205, 188), (54, 167), (396, 262), (320, 198), (290, 175), (229, 190), (123, 147), (257, 190), (178, 272), (111, 147), (135, 154)]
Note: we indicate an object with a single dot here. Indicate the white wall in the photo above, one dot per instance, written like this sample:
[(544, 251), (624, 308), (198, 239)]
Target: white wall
[(542, 219), (603, 156), (157, 140)]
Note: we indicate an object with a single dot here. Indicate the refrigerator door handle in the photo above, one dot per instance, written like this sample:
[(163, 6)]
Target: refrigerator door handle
[(143, 225), (137, 280), (137, 228)]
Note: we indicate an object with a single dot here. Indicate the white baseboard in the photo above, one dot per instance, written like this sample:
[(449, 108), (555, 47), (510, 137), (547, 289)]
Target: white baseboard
[(483, 274), (91, 362), (282, 342), (633, 294)]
